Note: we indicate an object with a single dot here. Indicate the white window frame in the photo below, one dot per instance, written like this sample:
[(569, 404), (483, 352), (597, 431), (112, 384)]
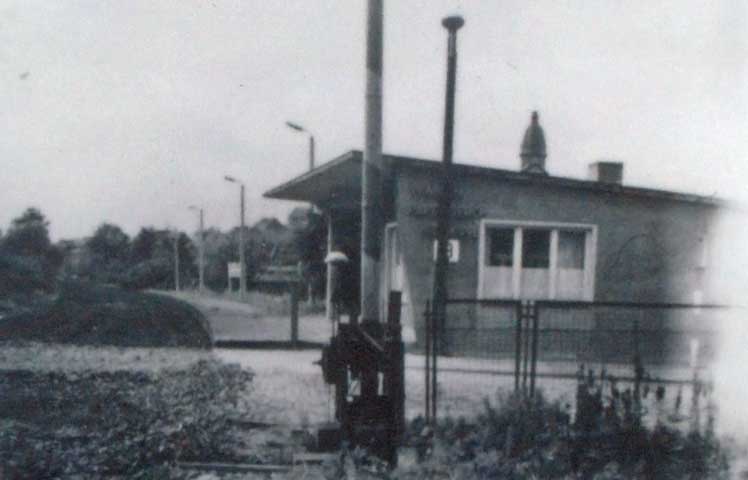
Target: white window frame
[(590, 253)]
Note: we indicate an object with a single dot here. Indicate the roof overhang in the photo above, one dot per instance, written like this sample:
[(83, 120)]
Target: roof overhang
[(337, 182)]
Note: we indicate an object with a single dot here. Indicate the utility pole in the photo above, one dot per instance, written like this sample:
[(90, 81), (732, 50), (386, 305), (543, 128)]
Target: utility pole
[(452, 24), (371, 175)]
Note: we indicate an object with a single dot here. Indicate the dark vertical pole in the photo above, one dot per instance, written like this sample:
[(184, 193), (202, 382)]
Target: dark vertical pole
[(371, 188), (434, 353), (452, 24), (638, 370), (427, 380), (295, 313), (534, 361), (526, 347), (517, 345), (395, 379)]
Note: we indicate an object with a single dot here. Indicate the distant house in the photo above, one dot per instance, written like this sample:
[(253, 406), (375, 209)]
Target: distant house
[(522, 234)]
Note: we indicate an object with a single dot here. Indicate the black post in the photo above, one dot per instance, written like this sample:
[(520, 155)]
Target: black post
[(534, 361), (395, 381), (638, 370), (435, 332), (294, 294), (427, 382), (452, 24), (518, 346), (526, 347)]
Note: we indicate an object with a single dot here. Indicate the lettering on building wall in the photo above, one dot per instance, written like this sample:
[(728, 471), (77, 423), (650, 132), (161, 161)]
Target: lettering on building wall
[(456, 213), (454, 232)]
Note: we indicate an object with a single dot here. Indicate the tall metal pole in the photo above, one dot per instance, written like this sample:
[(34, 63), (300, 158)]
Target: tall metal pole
[(452, 24), (242, 260), (201, 265), (371, 191)]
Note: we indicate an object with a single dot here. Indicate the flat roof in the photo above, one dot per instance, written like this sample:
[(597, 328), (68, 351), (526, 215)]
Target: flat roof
[(339, 181)]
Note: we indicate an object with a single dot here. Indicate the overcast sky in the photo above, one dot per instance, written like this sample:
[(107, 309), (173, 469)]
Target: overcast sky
[(129, 111)]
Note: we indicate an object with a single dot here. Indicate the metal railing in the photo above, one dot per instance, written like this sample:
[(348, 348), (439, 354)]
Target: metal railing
[(639, 342)]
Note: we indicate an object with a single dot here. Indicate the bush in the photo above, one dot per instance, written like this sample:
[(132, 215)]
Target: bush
[(86, 314), (532, 438)]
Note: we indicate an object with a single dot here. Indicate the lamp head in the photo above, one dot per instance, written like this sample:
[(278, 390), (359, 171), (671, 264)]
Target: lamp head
[(295, 126), (453, 23)]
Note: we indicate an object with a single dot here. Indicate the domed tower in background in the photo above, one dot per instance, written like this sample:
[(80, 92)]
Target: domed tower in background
[(533, 152)]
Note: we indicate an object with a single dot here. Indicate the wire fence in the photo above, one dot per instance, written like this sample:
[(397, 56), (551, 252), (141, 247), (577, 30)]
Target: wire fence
[(523, 344)]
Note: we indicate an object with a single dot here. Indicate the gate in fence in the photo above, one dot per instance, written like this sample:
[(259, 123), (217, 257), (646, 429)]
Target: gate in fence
[(481, 345)]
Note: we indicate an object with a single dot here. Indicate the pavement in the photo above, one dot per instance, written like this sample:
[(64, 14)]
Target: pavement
[(237, 323)]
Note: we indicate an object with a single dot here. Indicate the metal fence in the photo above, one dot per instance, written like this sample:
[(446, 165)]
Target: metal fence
[(526, 342)]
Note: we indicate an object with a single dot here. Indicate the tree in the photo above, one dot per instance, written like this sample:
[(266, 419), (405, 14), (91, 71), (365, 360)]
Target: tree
[(151, 260), (106, 254), (28, 235), (28, 260), (109, 243)]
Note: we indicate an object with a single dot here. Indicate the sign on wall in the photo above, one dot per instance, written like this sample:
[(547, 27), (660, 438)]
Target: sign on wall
[(453, 250)]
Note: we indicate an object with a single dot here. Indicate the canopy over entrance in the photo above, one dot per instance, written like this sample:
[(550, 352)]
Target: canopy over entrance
[(336, 184)]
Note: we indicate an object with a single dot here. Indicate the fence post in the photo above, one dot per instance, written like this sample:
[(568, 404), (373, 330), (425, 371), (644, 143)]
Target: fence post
[(294, 314), (435, 343), (533, 311), (517, 346), (526, 346), (638, 370), (427, 382)]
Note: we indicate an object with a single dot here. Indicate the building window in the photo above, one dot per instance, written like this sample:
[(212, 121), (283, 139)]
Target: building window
[(537, 260), (500, 247), (571, 249), (536, 246)]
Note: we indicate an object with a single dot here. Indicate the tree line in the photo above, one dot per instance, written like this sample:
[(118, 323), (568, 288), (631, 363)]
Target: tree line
[(30, 261)]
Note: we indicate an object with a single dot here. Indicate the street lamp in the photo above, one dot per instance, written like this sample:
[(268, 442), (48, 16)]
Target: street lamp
[(201, 246), (242, 262), (299, 128)]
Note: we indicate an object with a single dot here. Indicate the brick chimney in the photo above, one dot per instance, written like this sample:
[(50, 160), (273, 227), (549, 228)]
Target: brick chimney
[(606, 171)]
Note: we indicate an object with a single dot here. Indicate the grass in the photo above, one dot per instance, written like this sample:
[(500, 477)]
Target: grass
[(89, 314)]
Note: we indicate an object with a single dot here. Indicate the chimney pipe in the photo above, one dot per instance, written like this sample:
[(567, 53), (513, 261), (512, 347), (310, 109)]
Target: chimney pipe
[(606, 171)]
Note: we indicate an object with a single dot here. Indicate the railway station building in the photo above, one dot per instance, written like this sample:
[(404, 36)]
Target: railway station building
[(520, 234)]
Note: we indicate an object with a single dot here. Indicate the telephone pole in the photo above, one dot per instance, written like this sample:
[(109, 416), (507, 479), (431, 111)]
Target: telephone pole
[(371, 175)]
